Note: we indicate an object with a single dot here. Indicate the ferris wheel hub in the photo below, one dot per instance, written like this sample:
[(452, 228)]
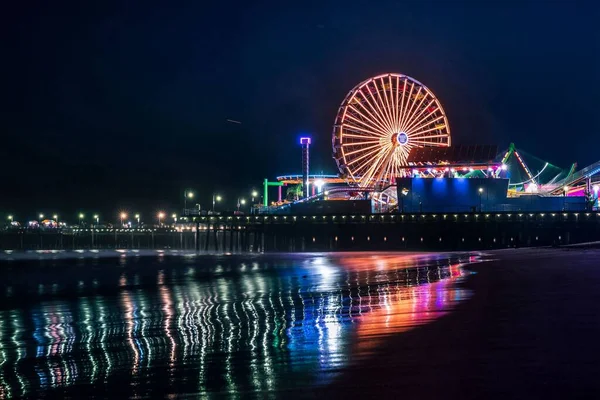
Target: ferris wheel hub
[(402, 138)]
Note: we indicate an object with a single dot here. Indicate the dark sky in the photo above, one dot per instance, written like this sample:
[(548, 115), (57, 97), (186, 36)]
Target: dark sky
[(121, 105)]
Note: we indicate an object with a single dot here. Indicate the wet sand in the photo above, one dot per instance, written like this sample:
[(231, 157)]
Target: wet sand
[(531, 330)]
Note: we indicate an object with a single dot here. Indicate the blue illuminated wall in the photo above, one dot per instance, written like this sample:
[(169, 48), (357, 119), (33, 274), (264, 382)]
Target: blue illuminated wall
[(462, 195), (450, 194)]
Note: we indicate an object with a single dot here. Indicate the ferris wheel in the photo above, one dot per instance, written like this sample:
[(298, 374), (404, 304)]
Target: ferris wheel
[(380, 121)]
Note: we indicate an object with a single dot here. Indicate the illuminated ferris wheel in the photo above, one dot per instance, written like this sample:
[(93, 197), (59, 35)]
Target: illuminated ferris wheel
[(380, 121)]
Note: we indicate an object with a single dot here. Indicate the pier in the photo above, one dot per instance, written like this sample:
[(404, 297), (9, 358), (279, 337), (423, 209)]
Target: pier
[(300, 233)]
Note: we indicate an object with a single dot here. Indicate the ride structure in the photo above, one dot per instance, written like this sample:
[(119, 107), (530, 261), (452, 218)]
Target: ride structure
[(305, 142), (380, 122), (549, 180)]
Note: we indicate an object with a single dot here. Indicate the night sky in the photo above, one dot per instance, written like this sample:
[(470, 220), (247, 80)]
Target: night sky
[(122, 105)]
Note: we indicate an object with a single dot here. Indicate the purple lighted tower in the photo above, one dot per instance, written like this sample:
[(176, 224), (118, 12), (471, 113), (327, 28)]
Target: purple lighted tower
[(305, 142)]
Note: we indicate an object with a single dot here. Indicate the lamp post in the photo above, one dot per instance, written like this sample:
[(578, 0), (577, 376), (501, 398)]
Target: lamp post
[(187, 194), (216, 198), (41, 217), (137, 217), (55, 218), (404, 193), (81, 219), (97, 219), (254, 195), (10, 218), (480, 192), (123, 216), (174, 216), (240, 202), (160, 215)]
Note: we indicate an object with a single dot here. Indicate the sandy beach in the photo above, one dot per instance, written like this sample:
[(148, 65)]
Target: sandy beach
[(529, 331)]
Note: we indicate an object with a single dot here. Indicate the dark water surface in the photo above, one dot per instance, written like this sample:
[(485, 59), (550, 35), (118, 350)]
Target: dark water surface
[(230, 325)]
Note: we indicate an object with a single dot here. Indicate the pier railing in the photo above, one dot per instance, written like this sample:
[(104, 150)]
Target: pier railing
[(239, 233)]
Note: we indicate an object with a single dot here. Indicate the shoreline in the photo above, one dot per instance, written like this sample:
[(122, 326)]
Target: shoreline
[(32, 255), (528, 331), (36, 255)]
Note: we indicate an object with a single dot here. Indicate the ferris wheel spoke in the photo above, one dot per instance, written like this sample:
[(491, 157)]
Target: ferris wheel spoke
[(418, 130), (396, 110), (434, 144), (416, 105), (368, 125), (380, 164), (371, 110), (393, 105), (429, 137), (407, 103), (403, 152), (361, 150), (402, 97), (379, 102), (417, 118), (375, 106), (416, 135), (365, 132), (370, 153), (373, 120), (350, 144), (390, 167), (365, 165), (386, 106), (424, 122), (396, 162)]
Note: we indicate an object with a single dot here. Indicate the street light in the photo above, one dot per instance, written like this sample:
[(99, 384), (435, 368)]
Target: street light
[(240, 202), (123, 216), (137, 217), (254, 195), (174, 216), (216, 198), (10, 218), (81, 219), (97, 218), (404, 193), (480, 192), (161, 215), (187, 195), (41, 217), (55, 218)]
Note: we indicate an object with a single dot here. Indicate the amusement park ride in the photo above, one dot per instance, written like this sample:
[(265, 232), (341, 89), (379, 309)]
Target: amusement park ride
[(392, 126)]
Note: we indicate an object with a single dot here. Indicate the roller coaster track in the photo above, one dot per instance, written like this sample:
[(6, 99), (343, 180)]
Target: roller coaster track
[(575, 178)]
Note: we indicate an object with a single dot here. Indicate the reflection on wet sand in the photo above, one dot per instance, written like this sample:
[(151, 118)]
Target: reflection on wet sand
[(214, 325), (403, 308)]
